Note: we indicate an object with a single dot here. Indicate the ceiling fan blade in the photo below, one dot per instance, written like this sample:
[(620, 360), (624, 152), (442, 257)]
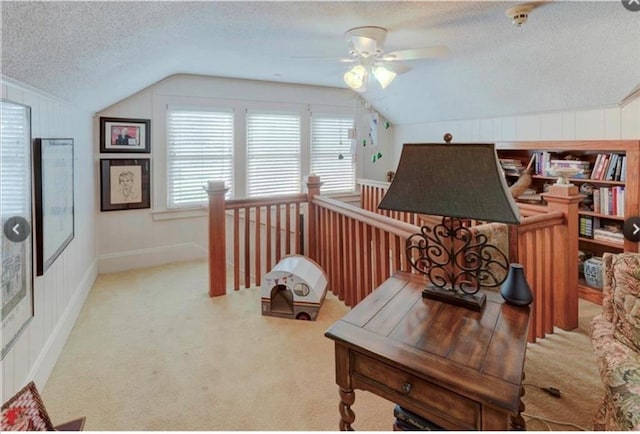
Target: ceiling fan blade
[(397, 67), (338, 59), (416, 53)]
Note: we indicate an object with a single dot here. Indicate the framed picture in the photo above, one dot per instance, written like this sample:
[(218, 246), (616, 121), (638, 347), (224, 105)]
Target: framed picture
[(15, 211), (125, 184), (125, 135), (53, 171)]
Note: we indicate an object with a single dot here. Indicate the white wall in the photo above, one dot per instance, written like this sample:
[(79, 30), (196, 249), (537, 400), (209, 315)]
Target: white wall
[(604, 123), (60, 293), (137, 238)]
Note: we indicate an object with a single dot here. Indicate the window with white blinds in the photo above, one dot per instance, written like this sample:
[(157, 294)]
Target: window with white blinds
[(200, 148), (15, 161), (273, 154), (331, 156)]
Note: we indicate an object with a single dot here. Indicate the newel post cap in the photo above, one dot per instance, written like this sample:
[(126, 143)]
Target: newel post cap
[(214, 186)]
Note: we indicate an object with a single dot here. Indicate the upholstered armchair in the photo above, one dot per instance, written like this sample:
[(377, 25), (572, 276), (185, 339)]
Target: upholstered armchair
[(615, 335)]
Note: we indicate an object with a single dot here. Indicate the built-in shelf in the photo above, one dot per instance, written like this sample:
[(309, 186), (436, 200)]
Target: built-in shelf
[(587, 150)]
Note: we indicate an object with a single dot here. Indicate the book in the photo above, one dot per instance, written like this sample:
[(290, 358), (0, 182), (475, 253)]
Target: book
[(612, 167), (410, 421)]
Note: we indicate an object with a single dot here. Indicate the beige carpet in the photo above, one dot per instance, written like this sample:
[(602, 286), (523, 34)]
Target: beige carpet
[(151, 351)]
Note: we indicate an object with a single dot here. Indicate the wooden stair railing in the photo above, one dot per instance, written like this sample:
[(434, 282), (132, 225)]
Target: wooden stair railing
[(359, 249)]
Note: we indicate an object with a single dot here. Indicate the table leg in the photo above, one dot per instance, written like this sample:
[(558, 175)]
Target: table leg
[(347, 416), (517, 422)]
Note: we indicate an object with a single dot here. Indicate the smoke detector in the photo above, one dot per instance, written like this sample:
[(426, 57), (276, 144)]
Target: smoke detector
[(519, 14)]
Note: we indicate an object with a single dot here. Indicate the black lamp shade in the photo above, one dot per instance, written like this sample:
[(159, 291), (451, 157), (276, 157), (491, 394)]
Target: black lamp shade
[(451, 179), (515, 289)]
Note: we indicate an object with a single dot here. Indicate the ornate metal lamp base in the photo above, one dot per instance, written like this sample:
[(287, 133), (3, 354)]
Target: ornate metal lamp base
[(455, 297)]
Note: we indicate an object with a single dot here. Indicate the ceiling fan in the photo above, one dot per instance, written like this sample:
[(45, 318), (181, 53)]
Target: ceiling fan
[(366, 48)]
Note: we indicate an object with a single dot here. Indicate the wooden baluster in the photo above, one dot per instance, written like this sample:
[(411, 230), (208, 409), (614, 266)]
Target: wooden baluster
[(287, 248), (247, 247), (236, 249), (258, 250), (298, 232), (278, 233), (268, 242), (547, 286)]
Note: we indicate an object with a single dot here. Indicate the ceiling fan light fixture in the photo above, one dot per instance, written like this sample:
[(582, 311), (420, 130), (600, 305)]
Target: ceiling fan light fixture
[(356, 78), (383, 75)]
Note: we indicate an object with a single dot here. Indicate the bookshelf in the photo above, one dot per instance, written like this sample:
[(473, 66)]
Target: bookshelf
[(610, 183)]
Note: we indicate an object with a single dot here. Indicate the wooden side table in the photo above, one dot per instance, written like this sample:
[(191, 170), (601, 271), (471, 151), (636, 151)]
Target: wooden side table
[(458, 368)]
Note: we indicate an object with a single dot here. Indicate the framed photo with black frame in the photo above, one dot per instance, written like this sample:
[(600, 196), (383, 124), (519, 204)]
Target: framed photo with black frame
[(16, 218), (54, 199), (125, 184), (122, 135)]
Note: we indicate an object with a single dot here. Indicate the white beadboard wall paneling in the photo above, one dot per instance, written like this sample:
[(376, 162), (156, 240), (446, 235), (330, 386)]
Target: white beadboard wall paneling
[(71, 276), (486, 129), (568, 125), (509, 126), (612, 123), (497, 129), (528, 127), (590, 124), (550, 126), (47, 358), (606, 123), (630, 119)]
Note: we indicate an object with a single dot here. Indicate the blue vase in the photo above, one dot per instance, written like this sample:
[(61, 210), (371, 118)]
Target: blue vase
[(593, 272)]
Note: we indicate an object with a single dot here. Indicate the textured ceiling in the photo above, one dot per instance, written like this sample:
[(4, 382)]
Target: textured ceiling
[(569, 55)]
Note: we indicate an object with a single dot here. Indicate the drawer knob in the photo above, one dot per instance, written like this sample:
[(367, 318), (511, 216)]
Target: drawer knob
[(406, 387)]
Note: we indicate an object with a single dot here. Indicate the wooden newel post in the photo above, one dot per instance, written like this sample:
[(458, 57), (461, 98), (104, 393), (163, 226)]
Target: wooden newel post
[(217, 244), (313, 189), (565, 198)]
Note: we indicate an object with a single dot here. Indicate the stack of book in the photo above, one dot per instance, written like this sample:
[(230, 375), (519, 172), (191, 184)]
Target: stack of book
[(582, 166), (409, 421), (511, 166), (612, 235)]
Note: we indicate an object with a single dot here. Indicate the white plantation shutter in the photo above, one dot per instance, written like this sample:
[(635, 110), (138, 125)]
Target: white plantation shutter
[(273, 154), (15, 162), (329, 141), (200, 148)]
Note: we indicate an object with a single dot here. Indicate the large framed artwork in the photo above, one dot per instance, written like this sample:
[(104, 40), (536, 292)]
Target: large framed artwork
[(125, 135), (15, 212), (125, 184), (53, 171)]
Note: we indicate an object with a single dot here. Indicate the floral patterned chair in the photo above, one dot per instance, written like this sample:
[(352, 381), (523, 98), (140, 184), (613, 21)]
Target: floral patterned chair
[(615, 335)]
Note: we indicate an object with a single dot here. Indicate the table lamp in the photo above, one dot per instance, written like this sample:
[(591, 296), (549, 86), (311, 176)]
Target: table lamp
[(456, 182)]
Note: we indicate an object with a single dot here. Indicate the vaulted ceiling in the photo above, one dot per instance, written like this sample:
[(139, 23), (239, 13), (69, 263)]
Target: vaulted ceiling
[(569, 55)]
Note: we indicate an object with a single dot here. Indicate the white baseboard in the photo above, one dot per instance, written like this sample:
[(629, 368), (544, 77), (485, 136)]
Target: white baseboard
[(48, 357), (142, 258)]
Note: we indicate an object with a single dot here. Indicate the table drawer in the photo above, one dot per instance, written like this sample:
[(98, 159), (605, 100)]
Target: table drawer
[(425, 394)]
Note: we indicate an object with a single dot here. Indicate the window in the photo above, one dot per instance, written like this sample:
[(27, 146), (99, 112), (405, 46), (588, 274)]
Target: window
[(15, 164), (331, 156), (273, 154), (200, 148)]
